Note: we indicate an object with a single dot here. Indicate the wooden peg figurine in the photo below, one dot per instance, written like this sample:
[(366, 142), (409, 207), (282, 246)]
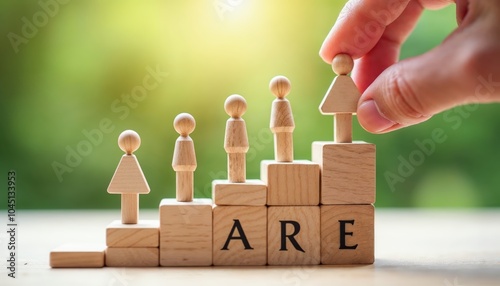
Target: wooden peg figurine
[(184, 160), (128, 180), (282, 124), (236, 139), (342, 98)]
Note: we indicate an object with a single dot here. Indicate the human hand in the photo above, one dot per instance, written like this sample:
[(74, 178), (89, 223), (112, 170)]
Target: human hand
[(399, 94)]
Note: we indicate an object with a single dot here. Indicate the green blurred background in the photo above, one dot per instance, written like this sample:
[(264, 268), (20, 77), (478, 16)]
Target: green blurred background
[(76, 68)]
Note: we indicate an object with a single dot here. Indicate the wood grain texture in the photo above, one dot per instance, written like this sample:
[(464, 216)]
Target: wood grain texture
[(283, 147), (295, 183), (236, 167), (342, 123), (342, 64), (347, 172), (282, 125), (130, 208), (249, 193), (307, 237), (132, 256), (184, 164), (253, 221), (145, 233), (77, 256), (357, 222), (128, 178), (184, 186), (184, 158), (186, 233), (236, 138), (341, 97)]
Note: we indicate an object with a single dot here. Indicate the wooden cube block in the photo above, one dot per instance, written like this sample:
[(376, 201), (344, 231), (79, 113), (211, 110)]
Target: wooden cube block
[(347, 234), (186, 233), (240, 235), (132, 256), (293, 235), (250, 193), (145, 233), (77, 256), (347, 172), (291, 184)]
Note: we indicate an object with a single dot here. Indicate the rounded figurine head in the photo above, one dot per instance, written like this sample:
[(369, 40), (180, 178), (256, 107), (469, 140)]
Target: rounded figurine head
[(129, 141), (342, 64), (235, 106), (280, 86), (184, 124)]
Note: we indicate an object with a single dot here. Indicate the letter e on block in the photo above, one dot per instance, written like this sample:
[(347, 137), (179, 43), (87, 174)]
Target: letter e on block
[(347, 234)]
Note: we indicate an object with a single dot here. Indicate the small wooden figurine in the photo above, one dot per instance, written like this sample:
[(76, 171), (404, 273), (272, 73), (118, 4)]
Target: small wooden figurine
[(128, 180), (282, 124), (236, 140), (342, 98)]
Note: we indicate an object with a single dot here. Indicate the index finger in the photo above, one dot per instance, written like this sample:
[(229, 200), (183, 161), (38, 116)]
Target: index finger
[(360, 26)]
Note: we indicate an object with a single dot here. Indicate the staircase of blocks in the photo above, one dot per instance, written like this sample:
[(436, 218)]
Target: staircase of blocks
[(299, 212)]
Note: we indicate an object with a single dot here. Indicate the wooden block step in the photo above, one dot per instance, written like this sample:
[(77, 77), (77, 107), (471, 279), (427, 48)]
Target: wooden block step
[(143, 234), (249, 193), (291, 184), (132, 257), (77, 256), (347, 172)]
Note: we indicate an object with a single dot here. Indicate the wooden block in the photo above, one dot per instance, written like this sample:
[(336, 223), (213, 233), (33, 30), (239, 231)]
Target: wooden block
[(347, 172), (77, 256), (143, 234), (186, 233), (240, 235), (132, 256), (295, 183), (184, 159), (347, 234), (250, 193), (293, 235)]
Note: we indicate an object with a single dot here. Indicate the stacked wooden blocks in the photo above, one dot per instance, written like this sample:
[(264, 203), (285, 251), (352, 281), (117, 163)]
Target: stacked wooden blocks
[(130, 242), (293, 191), (347, 177), (239, 212), (185, 223), (299, 213)]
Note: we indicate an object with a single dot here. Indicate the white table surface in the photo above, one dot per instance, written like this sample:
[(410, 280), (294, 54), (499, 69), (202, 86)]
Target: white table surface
[(412, 247)]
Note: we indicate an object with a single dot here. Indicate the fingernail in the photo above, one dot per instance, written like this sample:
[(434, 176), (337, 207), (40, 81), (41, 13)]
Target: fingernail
[(371, 119)]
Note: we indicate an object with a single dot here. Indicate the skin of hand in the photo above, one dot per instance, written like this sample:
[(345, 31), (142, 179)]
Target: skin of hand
[(399, 94)]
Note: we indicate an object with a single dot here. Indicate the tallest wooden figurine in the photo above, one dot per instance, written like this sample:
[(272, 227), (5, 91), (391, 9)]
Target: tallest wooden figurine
[(342, 98)]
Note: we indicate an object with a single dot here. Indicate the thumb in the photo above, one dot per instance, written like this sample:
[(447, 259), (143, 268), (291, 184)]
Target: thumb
[(413, 90)]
